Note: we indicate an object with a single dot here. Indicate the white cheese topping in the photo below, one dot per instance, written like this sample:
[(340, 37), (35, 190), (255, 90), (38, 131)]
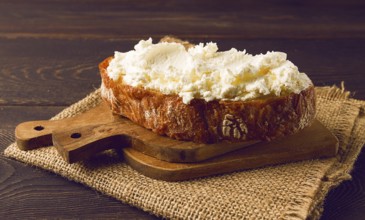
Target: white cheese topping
[(203, 72)]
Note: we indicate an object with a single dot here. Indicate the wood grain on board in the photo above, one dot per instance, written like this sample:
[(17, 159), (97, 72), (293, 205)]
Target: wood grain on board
[(311, 143), (97, 129)]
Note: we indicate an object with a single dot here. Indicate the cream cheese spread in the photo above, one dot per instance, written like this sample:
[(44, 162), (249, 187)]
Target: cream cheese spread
[(203, 72)]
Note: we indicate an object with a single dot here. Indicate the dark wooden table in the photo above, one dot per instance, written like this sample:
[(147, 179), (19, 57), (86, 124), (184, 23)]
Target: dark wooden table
[(49, 51)]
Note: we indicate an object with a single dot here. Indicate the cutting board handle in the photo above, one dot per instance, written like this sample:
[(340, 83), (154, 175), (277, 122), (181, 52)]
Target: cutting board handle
[(81, 143), (35, 134)]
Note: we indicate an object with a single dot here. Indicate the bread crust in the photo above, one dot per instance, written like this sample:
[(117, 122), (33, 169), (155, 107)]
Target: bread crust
[(209, 122)]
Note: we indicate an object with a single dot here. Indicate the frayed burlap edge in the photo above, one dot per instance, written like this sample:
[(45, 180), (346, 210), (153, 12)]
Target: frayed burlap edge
[(310, 203), (340, 171)]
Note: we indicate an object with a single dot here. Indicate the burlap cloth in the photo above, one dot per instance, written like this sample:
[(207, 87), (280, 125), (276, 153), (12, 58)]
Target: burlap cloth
[(290, 191)]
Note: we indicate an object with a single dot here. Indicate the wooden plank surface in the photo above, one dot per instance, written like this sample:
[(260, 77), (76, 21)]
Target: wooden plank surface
[(73, 64), (93, 19), (49, 52)]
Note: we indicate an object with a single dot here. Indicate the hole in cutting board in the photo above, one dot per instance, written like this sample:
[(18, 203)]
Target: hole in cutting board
[(75, 135), (38, 128)]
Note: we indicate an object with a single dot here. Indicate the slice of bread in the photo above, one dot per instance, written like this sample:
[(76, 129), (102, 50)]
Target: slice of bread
[(264, 118)]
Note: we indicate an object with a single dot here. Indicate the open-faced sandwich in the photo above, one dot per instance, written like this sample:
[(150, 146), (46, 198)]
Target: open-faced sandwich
[(197, 93)]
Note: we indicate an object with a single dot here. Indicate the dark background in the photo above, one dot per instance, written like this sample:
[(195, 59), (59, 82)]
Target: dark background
[(49, 51)]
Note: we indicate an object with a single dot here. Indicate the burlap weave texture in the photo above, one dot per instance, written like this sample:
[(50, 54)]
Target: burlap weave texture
[(290, 191)]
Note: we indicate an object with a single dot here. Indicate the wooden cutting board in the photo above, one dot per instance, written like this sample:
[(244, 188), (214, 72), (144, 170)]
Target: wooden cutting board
[(311, 143), (97, 129)]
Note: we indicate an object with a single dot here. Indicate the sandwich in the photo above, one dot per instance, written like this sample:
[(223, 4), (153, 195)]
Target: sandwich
[(198, 93)]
